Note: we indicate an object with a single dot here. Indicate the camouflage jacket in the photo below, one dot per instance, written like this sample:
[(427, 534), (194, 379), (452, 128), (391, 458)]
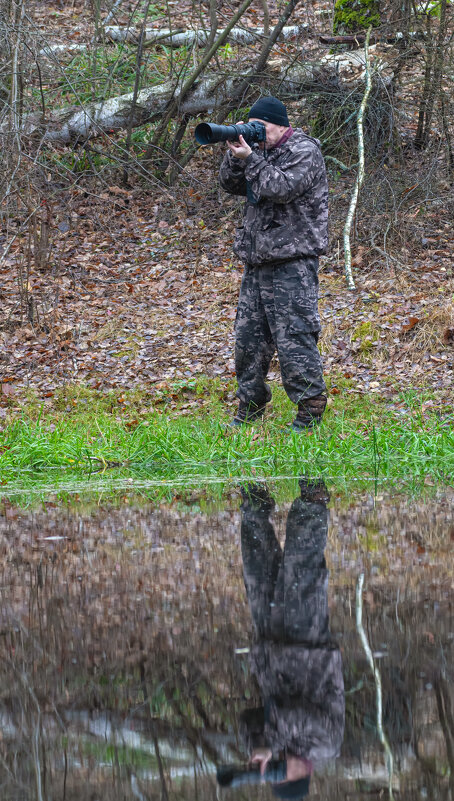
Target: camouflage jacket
[(303, 693), (286, 213)]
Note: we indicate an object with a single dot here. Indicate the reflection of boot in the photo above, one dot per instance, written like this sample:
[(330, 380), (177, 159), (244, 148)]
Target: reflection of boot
[(313, 490), (257, 497)]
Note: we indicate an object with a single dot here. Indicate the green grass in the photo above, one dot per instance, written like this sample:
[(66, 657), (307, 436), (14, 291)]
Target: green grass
[(179, 433)]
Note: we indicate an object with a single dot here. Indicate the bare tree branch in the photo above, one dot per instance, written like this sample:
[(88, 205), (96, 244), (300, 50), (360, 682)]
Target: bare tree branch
[(360, 173)]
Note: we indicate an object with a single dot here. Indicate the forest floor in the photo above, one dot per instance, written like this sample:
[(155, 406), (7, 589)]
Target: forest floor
[(144, 295)]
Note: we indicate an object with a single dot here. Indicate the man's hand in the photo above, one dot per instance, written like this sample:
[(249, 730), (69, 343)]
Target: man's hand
[(240, 149), (262, 756)]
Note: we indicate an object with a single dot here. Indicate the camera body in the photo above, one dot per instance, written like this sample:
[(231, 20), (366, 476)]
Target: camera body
[(208, 134)]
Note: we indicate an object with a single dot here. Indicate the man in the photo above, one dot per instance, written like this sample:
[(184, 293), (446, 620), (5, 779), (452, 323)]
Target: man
[(284, 230)]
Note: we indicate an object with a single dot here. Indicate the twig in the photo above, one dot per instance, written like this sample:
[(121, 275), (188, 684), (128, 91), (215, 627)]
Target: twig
[(266, 17), (360, 173), (136, 90), (340, 164)]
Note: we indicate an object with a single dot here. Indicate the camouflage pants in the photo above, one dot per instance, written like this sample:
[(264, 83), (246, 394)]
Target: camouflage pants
[(277, 310), (287, 590)]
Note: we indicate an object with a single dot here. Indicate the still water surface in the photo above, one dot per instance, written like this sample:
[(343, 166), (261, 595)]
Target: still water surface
[(146, 649)]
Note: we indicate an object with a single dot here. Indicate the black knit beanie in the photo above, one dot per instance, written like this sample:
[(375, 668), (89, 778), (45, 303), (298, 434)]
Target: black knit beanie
[(269, 109)]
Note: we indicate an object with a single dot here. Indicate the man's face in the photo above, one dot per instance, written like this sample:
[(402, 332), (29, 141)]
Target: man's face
[(273, 132)]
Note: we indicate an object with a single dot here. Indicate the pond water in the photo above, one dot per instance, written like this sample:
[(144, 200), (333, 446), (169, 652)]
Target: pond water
[(150, 649)]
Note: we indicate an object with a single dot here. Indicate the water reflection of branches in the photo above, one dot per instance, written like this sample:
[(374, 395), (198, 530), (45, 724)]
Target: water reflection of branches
[(377, 679), (445, 713)]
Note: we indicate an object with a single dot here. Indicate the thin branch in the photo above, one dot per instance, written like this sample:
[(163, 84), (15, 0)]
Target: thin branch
[(266, 17), (276, 32), (136, 89), (214, 23), (340, 164), (15, 114), (360, 173), (238, 93)]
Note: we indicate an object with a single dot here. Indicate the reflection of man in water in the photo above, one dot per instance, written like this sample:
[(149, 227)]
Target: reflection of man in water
[(295, 660)]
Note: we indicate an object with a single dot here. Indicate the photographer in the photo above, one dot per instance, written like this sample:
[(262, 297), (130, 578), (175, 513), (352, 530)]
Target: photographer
[(283, 232)]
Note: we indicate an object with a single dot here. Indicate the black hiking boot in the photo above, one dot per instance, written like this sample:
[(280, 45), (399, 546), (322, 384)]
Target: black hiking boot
[(310, 413), (247, 413)]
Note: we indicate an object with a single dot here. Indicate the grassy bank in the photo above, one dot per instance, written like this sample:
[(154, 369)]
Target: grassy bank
[(180, 432)]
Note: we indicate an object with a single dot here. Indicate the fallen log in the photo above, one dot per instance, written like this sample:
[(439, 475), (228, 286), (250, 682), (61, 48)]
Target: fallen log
[(377, 38), (238, 35), (51, 50), (175, 38), (209, 93), (78, 124)]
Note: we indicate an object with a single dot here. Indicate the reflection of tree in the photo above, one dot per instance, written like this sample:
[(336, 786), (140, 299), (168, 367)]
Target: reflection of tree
[(444, 695), (410, 642), (378, 683)]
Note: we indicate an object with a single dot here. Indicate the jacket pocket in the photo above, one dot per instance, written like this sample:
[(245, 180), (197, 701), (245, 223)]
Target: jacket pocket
[(276, 243)]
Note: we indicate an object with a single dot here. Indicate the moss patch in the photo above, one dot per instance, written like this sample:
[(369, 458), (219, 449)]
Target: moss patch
[(351, 16)]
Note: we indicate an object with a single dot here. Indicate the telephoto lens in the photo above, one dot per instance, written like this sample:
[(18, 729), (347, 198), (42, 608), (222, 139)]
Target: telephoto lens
[(207, 133)]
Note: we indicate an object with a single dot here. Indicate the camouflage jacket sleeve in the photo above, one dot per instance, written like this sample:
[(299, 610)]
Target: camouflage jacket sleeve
[(306, 730), (282, 184), (231, 175)]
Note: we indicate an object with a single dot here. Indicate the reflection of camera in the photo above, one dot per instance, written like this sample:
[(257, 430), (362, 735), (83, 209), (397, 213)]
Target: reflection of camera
[(235, 775), (208, 134)]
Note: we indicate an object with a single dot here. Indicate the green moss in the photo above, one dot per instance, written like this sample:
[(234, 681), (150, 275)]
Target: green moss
[(351, 16), (367, 335)]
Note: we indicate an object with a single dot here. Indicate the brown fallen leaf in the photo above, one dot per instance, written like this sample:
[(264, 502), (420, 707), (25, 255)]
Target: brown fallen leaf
[(412, 321), (117, 190)]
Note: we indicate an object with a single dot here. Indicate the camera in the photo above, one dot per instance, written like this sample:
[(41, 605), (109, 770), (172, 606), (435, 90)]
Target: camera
[(208, 134)]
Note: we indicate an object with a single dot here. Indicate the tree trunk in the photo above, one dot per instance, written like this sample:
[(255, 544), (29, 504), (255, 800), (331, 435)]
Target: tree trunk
[(237, 35), (179, 38), (432, 81)]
